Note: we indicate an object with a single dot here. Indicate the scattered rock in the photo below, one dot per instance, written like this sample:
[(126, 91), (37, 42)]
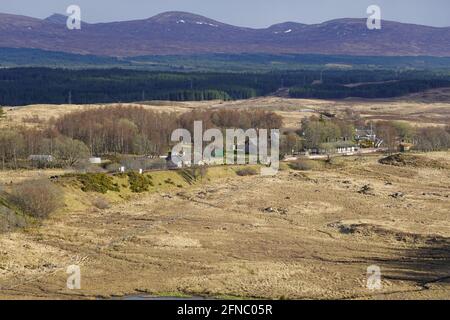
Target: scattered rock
[(397, 195), (282, 211), (367, 190), (372, 229), (49, 265), (202, 194), (435, 194)]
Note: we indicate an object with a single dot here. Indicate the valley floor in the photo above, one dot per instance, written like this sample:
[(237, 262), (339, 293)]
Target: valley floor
[(298, 235)]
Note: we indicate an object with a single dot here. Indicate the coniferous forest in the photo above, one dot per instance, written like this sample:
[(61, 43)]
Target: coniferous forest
[(22, 86)]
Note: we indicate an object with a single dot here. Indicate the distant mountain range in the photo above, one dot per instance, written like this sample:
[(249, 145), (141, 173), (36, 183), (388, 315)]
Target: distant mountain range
[(180, 33)]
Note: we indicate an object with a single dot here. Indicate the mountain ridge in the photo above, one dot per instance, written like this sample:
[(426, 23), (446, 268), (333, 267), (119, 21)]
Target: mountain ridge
[(178, 32)]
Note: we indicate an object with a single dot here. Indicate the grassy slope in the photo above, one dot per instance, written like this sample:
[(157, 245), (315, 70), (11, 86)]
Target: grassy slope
[(163, 181)]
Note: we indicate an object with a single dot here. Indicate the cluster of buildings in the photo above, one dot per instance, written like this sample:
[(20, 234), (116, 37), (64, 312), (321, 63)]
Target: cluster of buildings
[(365, 140)]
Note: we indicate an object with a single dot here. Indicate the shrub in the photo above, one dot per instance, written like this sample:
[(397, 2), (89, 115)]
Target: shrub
[(101, 203), (33, 119), (199, 172), (192, 174), (10, 219), (247, 172), (97, 182), (169, 181), (112, 167), (37, 198), (139, 182), (302, 165)]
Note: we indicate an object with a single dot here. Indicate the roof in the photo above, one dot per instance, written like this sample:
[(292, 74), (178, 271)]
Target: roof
[(41, 157)]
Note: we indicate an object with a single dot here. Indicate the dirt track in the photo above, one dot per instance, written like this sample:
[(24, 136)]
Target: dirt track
[(298, 235)]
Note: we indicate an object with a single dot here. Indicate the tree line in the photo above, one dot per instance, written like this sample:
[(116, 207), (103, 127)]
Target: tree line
[(380, 90), (22, 86), (122, 130)]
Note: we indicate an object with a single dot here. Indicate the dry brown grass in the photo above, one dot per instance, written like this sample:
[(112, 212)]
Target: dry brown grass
[(428, 109), (21, 115), (217, 238)]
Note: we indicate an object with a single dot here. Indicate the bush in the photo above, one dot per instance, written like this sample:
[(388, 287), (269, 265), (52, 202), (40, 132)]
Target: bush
[(37, 198), (169, 181), (112, 167), (9, 219), (302, 165), (247, 172), (139, 182), (198, 172), (192, 174), (97, 182), (101, 203)]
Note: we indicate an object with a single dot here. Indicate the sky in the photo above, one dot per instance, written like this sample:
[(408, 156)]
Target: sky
[(246, 13)]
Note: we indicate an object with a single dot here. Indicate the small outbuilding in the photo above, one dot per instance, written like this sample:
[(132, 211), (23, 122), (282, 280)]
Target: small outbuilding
[(95, 160), (43, 158)]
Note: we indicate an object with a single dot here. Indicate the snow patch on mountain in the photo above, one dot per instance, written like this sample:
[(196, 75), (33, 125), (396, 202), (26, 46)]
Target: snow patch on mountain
[(206, 23), (287, 31)]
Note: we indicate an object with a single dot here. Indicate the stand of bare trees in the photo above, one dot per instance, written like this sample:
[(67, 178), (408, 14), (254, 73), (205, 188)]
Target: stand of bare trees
[(122, 130), (243, 119), (422, 139)]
